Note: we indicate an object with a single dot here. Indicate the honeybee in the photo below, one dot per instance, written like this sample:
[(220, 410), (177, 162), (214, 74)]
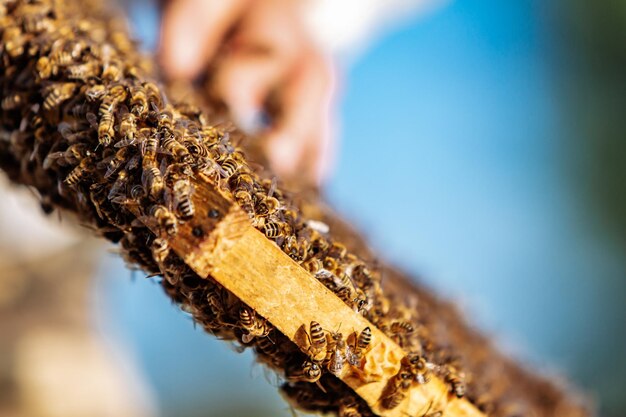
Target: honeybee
[(313, 265), (76, 47), (229, 167), (165, 120), (395, 392), (254, 326), (138, 101), (13, 41), (149, 146), (361, 273), (35, 21), (267, 346), (296, 248), (128, 128), (182, 196), (337, 250), (12, 101), (351, 297), (44, 68), (153, 94), (171, 145), (215, 301), (82, 71), (319, 245), (241, 181), (401, 327), (307, 371), (290, 215), (274, 230), (245, 201), (115, 162), (79, 171), (72, 155), (336, 353), (317, 342), (417, 365), (60, 57), (361, 303), (195, 148), (57, 94), (95, 92), (106, 130), (394, 398), (331, 265), (265, 206), (456, 380), (165, 219), (361, 345), (112, 72), (118, 93), (117, 194), (152, 181), (160, 250)]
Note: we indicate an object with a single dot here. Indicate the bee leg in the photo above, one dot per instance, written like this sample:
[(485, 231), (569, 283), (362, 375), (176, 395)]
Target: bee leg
[(319, 384)]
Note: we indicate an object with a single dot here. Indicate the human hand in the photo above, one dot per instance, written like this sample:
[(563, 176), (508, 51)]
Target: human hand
[(268, 54)]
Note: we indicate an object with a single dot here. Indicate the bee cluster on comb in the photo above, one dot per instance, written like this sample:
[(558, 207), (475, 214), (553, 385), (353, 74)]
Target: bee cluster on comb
[(84, 122)]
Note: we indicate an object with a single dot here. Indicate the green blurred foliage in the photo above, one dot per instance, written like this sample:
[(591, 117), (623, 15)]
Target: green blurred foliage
[(595, 80), (592, 72)]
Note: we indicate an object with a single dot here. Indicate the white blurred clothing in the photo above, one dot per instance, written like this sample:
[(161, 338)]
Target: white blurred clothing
[(345, 27)]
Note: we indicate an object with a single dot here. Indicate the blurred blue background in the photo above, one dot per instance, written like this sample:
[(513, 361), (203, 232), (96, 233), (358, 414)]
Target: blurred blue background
[(465, 159)]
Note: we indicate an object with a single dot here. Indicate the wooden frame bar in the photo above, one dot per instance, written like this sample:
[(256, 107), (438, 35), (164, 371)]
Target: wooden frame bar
[(221, 242)]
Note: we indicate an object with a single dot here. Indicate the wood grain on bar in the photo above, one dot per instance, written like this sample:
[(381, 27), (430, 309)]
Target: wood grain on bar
[(221, 242)]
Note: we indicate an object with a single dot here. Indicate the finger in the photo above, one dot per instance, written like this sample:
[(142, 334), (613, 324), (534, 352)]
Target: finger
[(192, 31), (260, 57), (301, 142), (244, 81)]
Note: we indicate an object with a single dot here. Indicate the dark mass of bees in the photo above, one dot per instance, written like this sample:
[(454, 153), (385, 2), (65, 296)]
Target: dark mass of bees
[(85, 123)]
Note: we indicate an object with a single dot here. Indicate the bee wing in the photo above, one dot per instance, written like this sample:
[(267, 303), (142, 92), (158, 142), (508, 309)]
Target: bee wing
[(324, 275), (51, 158), (272, 188), (66, 131), (247, 338), (125, 142), (133, 163), (24, 123), (142, 136), (149, 221), (353, 358), (220, 170), (92, 119), (122, 110)]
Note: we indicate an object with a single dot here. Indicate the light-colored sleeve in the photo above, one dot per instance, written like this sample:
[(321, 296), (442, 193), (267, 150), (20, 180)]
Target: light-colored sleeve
[(342, 27)]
